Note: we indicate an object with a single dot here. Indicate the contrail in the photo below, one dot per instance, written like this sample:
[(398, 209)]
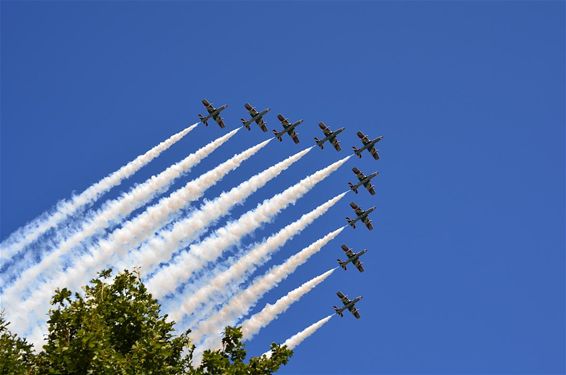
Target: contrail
[(202, 183), (269, 313), (112, 211), (293, 341), (166, 242), (26, 235), (132, 233), (198, 255), (245, 299)]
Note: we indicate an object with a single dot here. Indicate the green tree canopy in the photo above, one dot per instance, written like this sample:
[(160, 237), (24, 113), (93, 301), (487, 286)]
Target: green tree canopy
[(115, 327)]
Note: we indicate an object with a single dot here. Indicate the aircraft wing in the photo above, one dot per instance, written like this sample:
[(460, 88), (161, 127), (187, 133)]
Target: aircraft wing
[(293, 135), (284, 121), (368, 223), (335, 143), (325, 129), (356, 208), (374, 152), (343, 298), (250, 109), (219, 120), (364, 138), (261, 124), (358, 173), (355, 312), (348, 251), (208, 106), (359, 265), (370, 188)]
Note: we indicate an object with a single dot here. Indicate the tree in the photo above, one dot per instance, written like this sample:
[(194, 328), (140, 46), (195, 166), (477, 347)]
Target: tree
[(230, 360), (16, 356), (116, 327)]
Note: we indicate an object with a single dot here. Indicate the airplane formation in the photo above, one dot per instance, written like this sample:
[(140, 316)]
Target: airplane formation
[(332, 138)]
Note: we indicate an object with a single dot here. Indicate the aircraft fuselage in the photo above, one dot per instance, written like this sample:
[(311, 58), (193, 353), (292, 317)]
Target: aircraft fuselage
[(365, 180), (257, 117), (364, 214), (331, 137), (215, 112), (353, 258), (289, 128), (347, 306), (370, 144)]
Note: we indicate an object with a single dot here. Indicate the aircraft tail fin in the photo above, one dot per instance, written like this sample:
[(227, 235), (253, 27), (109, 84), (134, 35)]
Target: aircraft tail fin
[(203, 119), (319, 143), (246, 124), (337, 310), (353, 187), (277, 135), (351, 222), (342, 264), (357, 151)]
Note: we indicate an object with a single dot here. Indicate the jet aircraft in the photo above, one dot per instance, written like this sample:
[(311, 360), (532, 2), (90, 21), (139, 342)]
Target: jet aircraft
[(353, 258), (256, 117), (368, 145), (364, 180), (361, 215), (329, 135), (287, 128), (213, 113), (348, 305)]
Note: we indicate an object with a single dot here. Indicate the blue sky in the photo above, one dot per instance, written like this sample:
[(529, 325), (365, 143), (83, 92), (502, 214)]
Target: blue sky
[(465, 270)]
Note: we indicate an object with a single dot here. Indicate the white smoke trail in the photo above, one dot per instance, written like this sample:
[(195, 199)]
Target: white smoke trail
[(245, 299), (216, 288), (202, 183), (184, 265), (112, 211), (131, 234), (26, 235), (269, 313), (293, 341), (164, 243)]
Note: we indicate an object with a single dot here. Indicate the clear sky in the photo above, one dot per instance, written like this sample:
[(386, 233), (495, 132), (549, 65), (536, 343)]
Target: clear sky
[(465, 269)]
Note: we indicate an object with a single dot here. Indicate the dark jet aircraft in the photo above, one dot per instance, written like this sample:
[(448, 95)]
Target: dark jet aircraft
[(213, 113), (368, 145), (353, 258), (287, 128), (329, 135), (361, 215), (364, 180), (257, 117), (348, 305)]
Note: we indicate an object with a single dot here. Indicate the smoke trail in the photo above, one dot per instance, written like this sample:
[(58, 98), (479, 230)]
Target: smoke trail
[(216, 288), (26, 235), (269, 313), (133, 233), (246, 299), (164, 243), (184, 265), (293, 341), (202, 183), (112, 211)]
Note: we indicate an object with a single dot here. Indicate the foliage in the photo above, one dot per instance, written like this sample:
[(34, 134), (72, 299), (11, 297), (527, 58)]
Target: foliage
[(16, 356), (115, 327)]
